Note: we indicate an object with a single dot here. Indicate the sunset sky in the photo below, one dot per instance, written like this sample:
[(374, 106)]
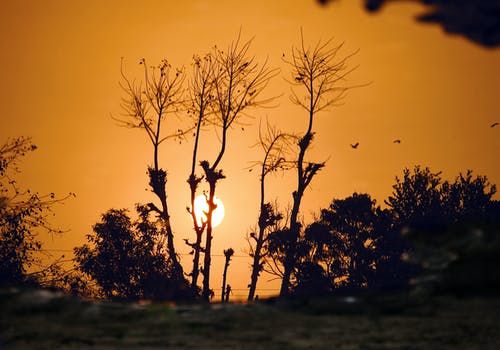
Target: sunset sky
[(60, 74)]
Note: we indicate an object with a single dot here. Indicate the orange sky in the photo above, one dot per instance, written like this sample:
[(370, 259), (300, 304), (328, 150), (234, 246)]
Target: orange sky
[(59, 68)]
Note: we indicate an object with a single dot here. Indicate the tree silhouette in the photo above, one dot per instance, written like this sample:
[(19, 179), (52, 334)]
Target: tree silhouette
[(276, 146), (146, 106), (128, 260), (422, 200), (467, 198), (23, 214), (237, 82), (321, 74), (416, 199), (200, 107), (228, 253), (339, 250), (353, 220), (440, 219), (434, 233)]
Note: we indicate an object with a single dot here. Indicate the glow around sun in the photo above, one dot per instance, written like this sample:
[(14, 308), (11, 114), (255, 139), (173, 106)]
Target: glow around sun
[(201, 206)]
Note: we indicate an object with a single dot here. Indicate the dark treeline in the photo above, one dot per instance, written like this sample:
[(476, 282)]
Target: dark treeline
[(429, 227), (432, 234)]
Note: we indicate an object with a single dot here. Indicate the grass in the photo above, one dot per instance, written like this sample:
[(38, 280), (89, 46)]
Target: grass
[(324, 323)]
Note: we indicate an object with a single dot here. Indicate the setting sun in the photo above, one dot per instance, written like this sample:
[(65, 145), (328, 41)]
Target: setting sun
[(201, 206)]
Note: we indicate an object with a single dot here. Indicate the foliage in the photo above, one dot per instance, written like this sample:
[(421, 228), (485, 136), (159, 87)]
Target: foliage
[(128, 259), (434, 233), (23, 214), (341, 247), (422, 200)]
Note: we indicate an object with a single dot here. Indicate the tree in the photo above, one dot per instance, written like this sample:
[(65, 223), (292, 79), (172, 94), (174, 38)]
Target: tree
[(128, 260), (237, 82), (276, 147), (416, 199), (353, 220), (351, 245), (23, 215), (200, 107), (467, 198), (450, 227), (321, 75), (228, 253), (339, 249), (147, 106), (422, 200)]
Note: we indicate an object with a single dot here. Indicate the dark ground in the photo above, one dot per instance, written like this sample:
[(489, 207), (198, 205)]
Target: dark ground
[(34, 319)]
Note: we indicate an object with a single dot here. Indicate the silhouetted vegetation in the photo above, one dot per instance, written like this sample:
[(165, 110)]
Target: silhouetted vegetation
[(228, 253), (320, 75), (23, 215), (236, 82), (146, 106), (202, 100), (127, 259), (434, 235), (277, 148)]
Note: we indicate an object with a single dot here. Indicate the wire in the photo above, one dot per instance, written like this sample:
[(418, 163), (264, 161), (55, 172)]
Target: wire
[(183, 254)]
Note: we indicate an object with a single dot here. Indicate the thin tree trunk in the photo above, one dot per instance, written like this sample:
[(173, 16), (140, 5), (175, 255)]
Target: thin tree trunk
[(207, 292)]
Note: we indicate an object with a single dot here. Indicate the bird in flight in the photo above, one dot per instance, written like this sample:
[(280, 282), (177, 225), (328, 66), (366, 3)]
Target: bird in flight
[(355, 145), (397, 141), (493, 125)]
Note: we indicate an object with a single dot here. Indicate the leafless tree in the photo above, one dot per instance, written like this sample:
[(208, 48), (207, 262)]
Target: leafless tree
[(149, 105), (276, 146), (238, 82), (228, 253), (320, 75), (200, 107)]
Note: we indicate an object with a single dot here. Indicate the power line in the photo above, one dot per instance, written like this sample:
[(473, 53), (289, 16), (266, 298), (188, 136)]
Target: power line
[(183, 254)]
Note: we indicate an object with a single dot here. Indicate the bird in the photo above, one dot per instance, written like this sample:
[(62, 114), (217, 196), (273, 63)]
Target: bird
[(397, 141), (493, 125), (355, 145)]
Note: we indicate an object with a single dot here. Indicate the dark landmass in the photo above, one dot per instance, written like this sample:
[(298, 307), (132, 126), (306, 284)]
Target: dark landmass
[(40, 319)]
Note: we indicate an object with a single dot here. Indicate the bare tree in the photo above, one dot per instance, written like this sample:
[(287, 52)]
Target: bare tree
[(276, 147), (149, 105), (238, 81), (200, 106), (320, 74), (228, 253)]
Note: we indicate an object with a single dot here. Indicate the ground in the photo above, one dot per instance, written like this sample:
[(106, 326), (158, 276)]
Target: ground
[(39, 319)]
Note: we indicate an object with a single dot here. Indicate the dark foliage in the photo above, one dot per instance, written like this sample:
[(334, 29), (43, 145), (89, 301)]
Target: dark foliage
[(23, 215), (128, 260), (435, 234), (422, 200), (349, 241)]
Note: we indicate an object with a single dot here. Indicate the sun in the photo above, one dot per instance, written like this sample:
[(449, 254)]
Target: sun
[(201, 206)]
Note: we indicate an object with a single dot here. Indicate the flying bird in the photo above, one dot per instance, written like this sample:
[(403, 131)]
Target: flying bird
[(355, 145), (397, 141), (493, 125)]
